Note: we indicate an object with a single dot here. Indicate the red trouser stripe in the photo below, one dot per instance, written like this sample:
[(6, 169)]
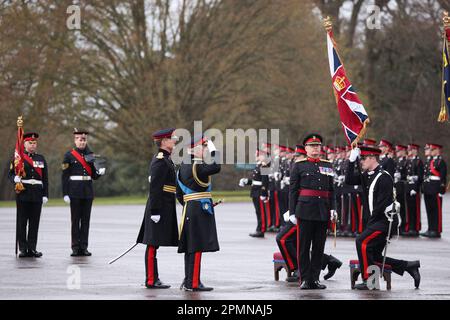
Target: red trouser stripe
[(283, 245), (358, 204), (418, 223), (364, 251), (263, 216), (298, 250), (196, 275), (277, 210), (151, 265), (439, 203), (269, 218), (353, 215)]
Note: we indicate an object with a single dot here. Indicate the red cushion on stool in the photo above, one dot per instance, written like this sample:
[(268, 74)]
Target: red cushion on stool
[(354, 262), (278, 256), (386, 266)]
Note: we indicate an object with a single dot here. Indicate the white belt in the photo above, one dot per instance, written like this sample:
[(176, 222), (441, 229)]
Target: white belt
[(256, 183), (80, 178), (32, 181), (435, 178)]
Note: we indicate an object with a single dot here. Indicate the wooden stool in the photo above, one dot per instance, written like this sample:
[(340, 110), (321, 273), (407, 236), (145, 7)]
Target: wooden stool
[(278, 264), (355, 271)]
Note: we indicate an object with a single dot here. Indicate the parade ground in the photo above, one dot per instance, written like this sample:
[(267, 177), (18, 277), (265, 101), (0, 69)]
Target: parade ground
[(242, 269)]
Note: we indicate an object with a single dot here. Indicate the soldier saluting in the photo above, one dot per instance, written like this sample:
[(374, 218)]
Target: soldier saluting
[(29, 201), (78, 171), (312, 200), (198, 232), (160, 228)]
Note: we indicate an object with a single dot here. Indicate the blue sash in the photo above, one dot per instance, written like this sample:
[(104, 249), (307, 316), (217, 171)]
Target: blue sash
[(205, 203)]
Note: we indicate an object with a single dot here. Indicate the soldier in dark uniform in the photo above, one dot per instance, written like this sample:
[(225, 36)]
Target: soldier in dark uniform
[(29, 201), (351, 200), (386, 161), (311, 200), (283, 194), (287, 239), (380, 204), (198, 225), (400, 185), (259, 187), (160, 228), (414, 178), (78, 171), (339, 177), (273, 219), (434, 187)]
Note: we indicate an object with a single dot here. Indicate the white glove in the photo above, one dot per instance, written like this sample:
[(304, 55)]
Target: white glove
[(67, 199), (277, 176), (282, 184), (44, 200), (333, 216), (397, 175), (101, 171), (354, 154), (287, 180), (293, 219), (412, 193), (286, 216), (155, 218), (211, 146), (441, 195), (263, 198), (17, 179), (149, 179), (243, 182)]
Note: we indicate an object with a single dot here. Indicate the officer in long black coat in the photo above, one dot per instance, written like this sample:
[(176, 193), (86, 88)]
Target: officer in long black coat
[(380, 203), (312, 200), (159, 227), (78, 171), (198, 232), (414, 178), (259, 192), (29, 201)]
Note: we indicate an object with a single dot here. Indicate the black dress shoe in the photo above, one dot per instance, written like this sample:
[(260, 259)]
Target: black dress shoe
[(425, 234), (434, 234), (158, 285), (257, 234), (24, 254), (362, 286), (85, 253), (332, 266), (412, 233), (294, 277), (201, 287), (317, 285), (34, 253), (413, 269), (305, 285)]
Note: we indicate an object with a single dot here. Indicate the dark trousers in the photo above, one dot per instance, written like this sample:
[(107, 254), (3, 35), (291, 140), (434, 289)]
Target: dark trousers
[(151, 266), (312, 237), (192, 265), (260, 214), (284, 203), (370, 245), (401, 198), (413, 212), (274, 209), (287, 243), (80, 210), (352, 215), (28, 214), (433, 203)]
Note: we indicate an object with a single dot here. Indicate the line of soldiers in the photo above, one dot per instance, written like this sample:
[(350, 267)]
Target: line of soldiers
[(191, 186), (346, 199), (412, 177), (78, 171)]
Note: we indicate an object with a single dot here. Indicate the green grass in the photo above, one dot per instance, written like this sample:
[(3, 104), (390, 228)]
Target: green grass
[(228, 196)]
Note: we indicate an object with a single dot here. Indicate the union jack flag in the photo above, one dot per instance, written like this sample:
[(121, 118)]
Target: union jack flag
[(351, 110)]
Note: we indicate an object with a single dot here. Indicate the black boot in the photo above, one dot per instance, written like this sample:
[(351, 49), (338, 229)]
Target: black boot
[(257, 234), (85, 252), (317, 285), (34, 253), (157, 285), (333, 265), (24, 254), (294, 277), (362, 286), (305, 285), (425, 234), (413, 233), (75, 253), (434, 234), (412, 268)]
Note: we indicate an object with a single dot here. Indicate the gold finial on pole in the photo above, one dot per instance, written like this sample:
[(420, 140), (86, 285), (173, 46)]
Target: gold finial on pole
[(446, 19), (19, 121), (328, 25)]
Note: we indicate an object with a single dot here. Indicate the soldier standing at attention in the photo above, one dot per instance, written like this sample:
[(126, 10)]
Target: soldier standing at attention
[(414, 177), (312, 200), (386, 161), (29, 201), (78, 171)]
